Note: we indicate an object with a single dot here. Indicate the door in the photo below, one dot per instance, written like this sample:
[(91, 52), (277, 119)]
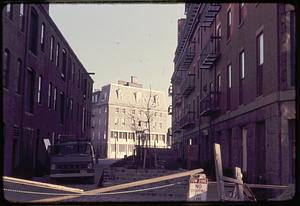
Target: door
[(244, 149), (28, 153), (260, 152), (292, 150)]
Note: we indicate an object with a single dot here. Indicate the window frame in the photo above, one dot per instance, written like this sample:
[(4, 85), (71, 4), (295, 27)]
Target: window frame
[(52, 48), (42, 37), (19, 73), (39, 89), (6, 68), (229, 24), (50, 95), (259, 62)]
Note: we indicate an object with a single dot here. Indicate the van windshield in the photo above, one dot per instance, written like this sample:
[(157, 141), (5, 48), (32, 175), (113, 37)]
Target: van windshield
[(65, 149)]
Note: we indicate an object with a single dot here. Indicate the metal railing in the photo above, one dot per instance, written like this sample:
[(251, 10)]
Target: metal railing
[(187, 119), (188, 85), (177, 100), (210, 104), (209, 14), (170, 110), (170, 90), (210, 53)]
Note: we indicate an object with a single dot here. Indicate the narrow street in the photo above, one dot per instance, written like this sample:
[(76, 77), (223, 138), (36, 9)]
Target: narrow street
[(26, 193)]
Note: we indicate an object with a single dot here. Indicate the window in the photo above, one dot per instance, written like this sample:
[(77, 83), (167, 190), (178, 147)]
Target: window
[(229, 76), (33, 36), (9, 11), (123, 121), (42, 36), (22, 17), (84, 87), (119, 94), (64, 64), (219, 83), (19, 76), (51, 48), (49, 95), (71, 108), (229, 87), (190, 141), (57, 55), (260, 61), (30, 90), (156, 100), (242, 75), (261, 49), (116, 121), (219, 34), (73, 72), (78, 78), (160, 125), (241, 12), (6, 68), (242, 65), (39, 99), (117, 110), (123, 110), (137, 96), (229, 22), (62, 108), (93, 135), (55, 98)]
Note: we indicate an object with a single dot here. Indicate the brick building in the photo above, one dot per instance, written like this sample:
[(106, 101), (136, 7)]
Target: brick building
[(234, 84), (46, 90)]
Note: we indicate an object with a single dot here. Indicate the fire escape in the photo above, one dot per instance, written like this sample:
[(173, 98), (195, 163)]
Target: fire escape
[(188, 85), (187, 120), (210, 104), (210, 53), (209, 13)]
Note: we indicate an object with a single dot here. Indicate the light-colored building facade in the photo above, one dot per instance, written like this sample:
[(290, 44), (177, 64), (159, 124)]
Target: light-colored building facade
[(123, 114)]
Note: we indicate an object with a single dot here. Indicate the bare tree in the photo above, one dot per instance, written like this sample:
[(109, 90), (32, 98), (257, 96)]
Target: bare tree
[(141, 123)]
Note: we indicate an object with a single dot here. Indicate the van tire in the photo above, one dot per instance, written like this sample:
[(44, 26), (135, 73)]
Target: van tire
[(90, 180)]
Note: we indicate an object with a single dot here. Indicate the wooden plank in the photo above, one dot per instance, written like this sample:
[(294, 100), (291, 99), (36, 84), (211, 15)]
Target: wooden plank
[(123, 186), (280, 187), (249, 193), (219, 171), (229, 179), (41, 184), (238, 175)]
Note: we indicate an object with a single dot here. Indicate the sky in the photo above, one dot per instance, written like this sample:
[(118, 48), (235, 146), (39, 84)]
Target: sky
[(117, 41)]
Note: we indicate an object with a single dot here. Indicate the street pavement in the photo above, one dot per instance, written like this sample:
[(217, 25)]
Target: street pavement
[(133, 196), (15, 192)]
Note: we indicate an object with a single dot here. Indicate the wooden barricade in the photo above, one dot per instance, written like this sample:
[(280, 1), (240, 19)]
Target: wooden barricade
[(239, 187)]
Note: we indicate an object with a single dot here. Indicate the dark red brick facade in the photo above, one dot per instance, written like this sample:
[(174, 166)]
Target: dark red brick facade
[(28, 117), (254, 122)]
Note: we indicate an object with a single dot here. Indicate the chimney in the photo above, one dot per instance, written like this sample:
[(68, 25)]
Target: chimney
[(133, 80)]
